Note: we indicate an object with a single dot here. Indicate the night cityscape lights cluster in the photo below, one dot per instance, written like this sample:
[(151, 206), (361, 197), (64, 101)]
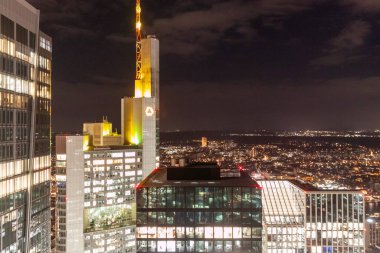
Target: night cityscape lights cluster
[(324, 163), (104, 191)]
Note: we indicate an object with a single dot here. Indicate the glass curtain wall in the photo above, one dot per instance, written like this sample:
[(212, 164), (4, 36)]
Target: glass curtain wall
[(199, 219)]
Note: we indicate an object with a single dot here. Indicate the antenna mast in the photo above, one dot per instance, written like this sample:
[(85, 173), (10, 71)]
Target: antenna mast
[(138, 40)]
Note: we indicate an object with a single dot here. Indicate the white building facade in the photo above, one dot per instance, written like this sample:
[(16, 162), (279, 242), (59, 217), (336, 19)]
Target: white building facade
[(299, 218), (105, 197)]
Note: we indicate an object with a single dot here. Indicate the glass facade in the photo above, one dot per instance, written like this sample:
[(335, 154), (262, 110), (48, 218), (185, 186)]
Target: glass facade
[(109, 200), (25, 112), (335, 222), (199, 219), (373, 233), (299, 219)]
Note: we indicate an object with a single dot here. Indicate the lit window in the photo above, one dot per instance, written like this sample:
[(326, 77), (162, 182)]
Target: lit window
[(227, 232), (161, 246), (209, 232), (130, 154), (218, 232)]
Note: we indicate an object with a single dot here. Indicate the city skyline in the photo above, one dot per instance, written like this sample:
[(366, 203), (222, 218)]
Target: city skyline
[(265, 64), (116, 187)]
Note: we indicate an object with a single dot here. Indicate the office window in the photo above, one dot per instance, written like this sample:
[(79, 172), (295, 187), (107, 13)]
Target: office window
[(32, 40), (21, 35), (7, 27)]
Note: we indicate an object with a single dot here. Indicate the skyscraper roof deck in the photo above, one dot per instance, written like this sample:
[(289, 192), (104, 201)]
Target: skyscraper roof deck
[(196, 174), (309, 188)]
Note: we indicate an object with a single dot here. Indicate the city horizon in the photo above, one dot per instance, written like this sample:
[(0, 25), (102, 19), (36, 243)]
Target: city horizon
[(89, 164)]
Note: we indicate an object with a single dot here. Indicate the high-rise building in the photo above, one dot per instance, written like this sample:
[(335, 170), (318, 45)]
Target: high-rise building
[(140, 114), (96, 205), (300, 218), (204, 142), (194, 209), (112, 166), (70, 193), (25, 107), (253, 152), (373, 233)]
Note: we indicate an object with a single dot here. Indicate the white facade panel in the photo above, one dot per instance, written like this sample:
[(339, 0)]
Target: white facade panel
[(299, 219), (74, 194), (21, 12), (149, 136)]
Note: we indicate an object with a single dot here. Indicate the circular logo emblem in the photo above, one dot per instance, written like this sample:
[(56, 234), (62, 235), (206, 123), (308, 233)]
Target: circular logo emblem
[(149, 111)]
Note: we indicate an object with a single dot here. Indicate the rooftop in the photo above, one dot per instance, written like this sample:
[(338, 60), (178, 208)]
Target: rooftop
[(116, 147), (304, 186), (309, 188), (191, 176)]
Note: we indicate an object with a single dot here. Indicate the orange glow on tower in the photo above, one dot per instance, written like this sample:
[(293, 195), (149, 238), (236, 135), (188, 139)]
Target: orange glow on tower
[(138, 40)]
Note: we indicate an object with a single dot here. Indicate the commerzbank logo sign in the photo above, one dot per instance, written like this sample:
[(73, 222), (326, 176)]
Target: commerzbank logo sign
[(149, 111)]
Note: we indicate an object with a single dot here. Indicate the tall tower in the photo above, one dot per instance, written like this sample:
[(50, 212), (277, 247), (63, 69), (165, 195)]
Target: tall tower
[(25, 111), (139, 115)]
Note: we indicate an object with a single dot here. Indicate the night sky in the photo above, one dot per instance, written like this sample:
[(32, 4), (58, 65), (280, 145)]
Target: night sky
[(225, 64)]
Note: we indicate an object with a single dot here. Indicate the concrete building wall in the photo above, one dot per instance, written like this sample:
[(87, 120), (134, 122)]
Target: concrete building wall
[(21, 12), (151, 76), (74, 194), (149, 136), (70, 196)]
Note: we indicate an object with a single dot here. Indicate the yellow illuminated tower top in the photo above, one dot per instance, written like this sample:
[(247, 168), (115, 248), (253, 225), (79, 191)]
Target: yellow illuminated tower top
[(143, 82), (138, 40), (139, 114), (139, 90)]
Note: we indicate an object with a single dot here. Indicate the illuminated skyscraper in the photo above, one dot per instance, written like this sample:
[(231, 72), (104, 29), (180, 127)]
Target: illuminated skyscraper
[(25, 107), (139, 115), (96, 179), (112, 167), (194, 209)]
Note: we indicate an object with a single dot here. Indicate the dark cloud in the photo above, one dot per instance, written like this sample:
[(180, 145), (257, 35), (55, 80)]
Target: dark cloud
[(343, 47), (352, 36), (119, 38), (229, 64), (197, 31), (77, 17), (364, 5)]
